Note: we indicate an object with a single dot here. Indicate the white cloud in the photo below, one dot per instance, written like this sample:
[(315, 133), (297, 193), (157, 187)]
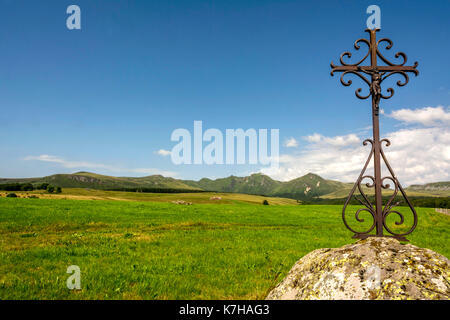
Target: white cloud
[(163, 152), (97, 166), (417, 155), (291, 143), (427, 116), (342, 141)]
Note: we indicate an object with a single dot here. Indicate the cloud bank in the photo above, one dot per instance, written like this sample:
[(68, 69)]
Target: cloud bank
[(427, 116), (417, 154)]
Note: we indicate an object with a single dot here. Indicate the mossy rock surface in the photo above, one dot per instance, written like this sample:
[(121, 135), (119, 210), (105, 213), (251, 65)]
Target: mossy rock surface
[(374, 268)]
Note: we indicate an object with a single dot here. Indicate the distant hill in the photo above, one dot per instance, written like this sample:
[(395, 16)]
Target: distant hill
[(254, 184), (97, 181), (306, 187), (435, 188)]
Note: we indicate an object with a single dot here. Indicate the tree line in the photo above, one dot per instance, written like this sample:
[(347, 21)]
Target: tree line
[(30, 187), (424, 202)]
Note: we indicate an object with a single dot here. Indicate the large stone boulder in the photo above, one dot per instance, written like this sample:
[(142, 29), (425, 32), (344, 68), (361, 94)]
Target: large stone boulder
[(375, 268)]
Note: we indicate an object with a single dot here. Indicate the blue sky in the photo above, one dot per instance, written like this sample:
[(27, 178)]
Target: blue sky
[(107, 97)]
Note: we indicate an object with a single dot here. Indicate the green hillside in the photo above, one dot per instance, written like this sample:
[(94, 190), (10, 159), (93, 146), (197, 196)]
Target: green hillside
[(97, 181), (307, 187), (254, 184), (435, 188)]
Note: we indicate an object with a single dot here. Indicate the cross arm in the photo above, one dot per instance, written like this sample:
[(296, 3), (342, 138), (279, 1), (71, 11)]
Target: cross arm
[(370, 69), (377, 75)]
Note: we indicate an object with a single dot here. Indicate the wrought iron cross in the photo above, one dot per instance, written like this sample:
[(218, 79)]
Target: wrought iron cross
[(377, 74)]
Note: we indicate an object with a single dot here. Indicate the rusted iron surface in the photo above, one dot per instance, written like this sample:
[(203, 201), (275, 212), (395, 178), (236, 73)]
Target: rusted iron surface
[(374, 75)]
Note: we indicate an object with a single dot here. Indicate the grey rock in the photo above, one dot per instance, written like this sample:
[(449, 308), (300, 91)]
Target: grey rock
[(374, 268)]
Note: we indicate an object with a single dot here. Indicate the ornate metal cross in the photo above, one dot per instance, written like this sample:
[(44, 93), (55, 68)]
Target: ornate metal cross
[(377, 74)]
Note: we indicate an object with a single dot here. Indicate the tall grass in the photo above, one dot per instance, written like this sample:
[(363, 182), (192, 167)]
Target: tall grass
[(148, 250)]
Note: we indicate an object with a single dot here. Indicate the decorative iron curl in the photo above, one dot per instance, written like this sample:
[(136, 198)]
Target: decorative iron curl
[(387, 141), (368, 207), (348, 54), (344, 67), (357, 47), (366, 201), (391, 93), (389, 207), (389, 204), (387, 210), (349, 82), (388, 47), (392, 64), (399, 82), (365, 142)]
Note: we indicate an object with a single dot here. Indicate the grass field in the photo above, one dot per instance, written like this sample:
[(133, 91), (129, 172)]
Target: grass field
[(158, 250), (196, 198)]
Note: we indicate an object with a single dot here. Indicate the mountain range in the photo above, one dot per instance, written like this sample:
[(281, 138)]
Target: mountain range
[(305, 187)]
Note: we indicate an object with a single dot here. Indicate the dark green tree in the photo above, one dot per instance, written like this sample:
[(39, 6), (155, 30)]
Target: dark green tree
[(42, 186), (27, 187)]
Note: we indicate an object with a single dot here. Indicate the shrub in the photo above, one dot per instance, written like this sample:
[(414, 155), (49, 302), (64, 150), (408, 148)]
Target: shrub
[(50, 188), (27, 187), (265, 202), (10, 187), (58, 190), (11, 195), (42, 186)]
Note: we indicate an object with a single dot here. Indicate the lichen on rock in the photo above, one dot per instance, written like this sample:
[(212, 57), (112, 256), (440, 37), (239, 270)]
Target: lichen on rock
[(374, 268)]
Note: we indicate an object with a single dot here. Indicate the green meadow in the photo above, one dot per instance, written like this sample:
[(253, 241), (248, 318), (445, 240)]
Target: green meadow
[(160, 250)]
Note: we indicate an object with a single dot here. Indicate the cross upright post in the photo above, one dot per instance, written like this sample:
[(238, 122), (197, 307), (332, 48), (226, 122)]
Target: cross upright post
[(377, 73)]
